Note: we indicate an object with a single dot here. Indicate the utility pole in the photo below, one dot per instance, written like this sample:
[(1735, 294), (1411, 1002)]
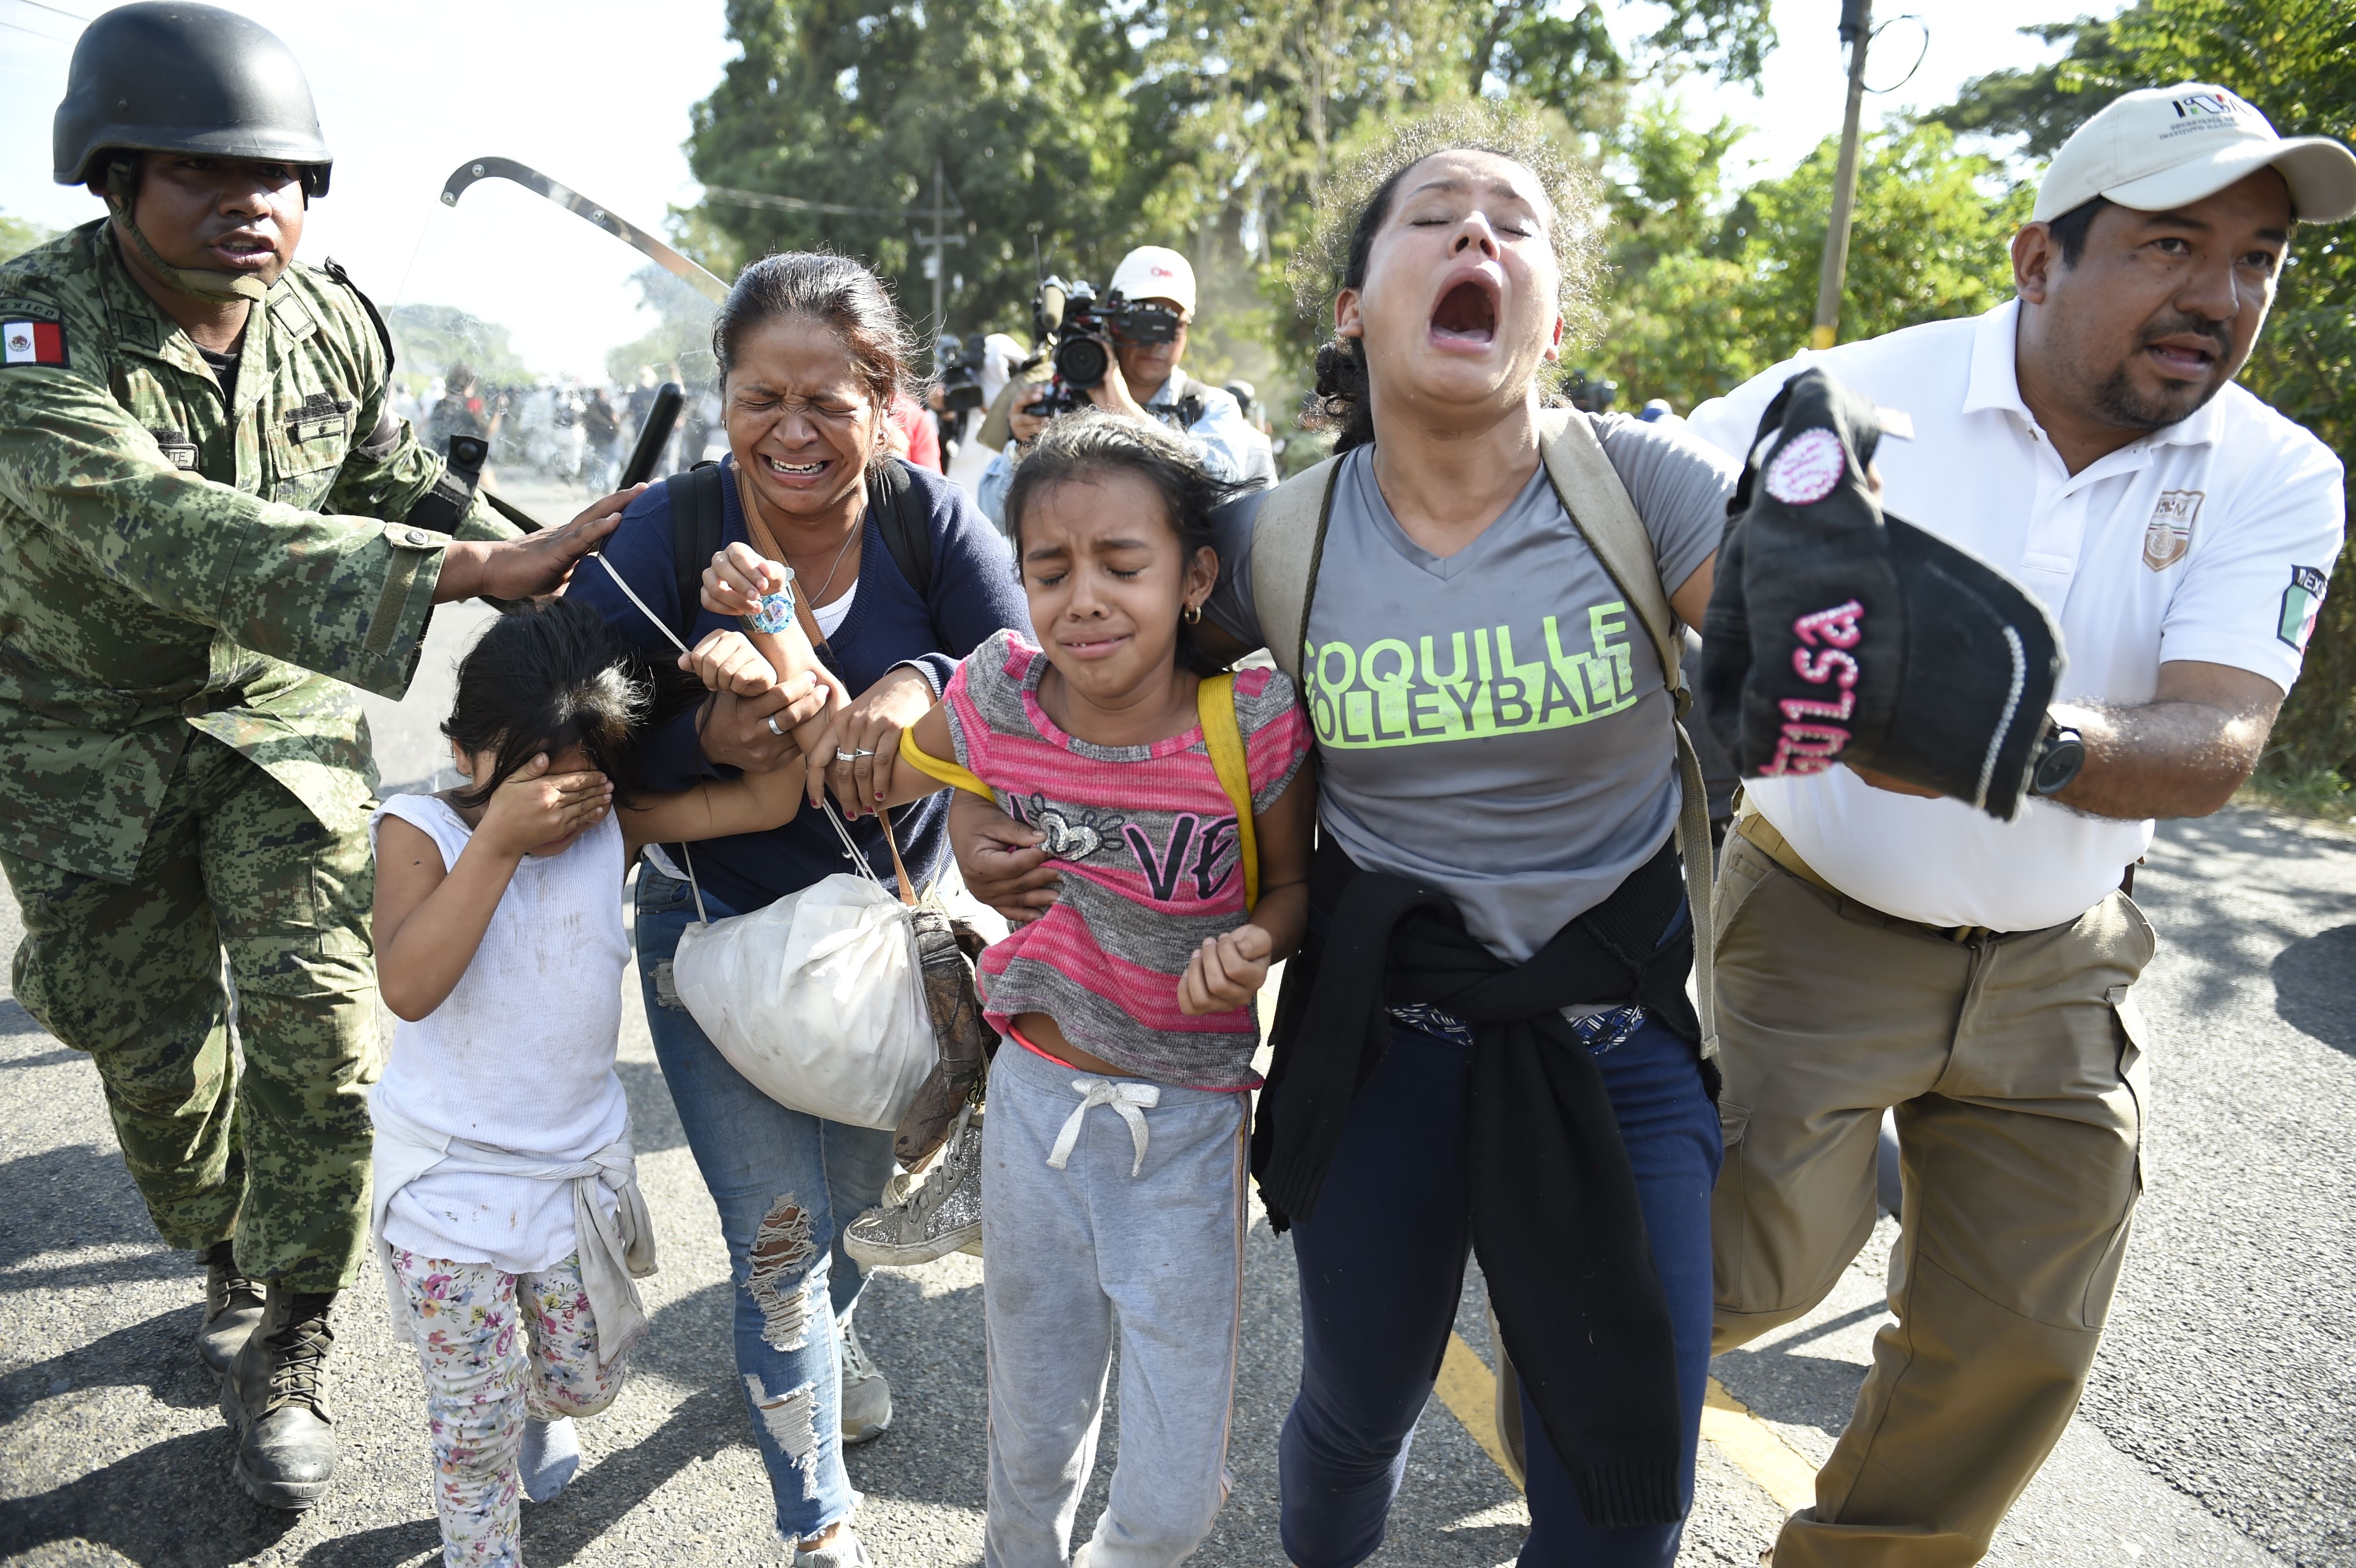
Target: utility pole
[(936, 239), (1857, 32), (943, 207)]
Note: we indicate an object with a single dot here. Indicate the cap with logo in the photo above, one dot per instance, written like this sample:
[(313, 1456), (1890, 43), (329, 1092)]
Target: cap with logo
[(2166, 147), (1837, 633), (1155, 273)]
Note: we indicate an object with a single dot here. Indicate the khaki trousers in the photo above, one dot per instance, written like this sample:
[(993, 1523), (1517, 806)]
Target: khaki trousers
[(2013, 1064)]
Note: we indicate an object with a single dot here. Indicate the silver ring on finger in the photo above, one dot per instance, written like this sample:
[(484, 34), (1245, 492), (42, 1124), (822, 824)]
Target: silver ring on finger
[(842, 756), (863, 754), (772, 723)]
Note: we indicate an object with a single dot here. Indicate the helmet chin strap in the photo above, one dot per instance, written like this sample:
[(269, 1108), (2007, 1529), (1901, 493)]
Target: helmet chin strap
[(222, 288)]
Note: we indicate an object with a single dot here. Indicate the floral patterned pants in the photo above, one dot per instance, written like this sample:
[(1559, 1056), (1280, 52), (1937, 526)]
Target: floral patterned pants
[(483, 1378)]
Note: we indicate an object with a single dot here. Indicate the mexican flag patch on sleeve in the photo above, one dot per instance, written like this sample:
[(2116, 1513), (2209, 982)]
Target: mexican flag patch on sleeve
[(32, 343), (2300, 602)]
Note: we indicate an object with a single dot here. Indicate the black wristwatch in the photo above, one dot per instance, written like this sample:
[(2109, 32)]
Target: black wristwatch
[(2060, 753)]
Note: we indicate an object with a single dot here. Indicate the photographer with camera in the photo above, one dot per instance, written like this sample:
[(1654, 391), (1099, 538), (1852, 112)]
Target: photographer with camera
[(1143, 322), (971, 373)]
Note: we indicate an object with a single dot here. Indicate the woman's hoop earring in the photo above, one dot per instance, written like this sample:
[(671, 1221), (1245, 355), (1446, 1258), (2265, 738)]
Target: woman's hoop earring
[(1193, 615)]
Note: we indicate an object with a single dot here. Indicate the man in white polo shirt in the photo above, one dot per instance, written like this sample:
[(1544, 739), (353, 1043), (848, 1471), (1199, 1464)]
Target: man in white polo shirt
[(1876, 949)]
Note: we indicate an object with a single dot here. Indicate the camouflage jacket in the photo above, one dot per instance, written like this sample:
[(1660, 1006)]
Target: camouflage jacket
[(173, 559)]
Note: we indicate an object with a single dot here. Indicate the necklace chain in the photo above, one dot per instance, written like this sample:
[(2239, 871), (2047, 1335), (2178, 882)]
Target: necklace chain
[(819, 597), (753, 517)]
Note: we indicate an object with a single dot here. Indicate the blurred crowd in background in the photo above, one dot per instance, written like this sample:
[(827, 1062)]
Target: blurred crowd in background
[(561, 430)]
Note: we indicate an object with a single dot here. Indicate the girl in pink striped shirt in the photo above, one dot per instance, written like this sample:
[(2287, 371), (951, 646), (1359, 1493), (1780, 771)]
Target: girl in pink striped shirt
[(1113, 1154)]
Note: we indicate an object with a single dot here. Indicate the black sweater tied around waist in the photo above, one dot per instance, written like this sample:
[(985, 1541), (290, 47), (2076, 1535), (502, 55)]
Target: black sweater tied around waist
[(1555, 1217)]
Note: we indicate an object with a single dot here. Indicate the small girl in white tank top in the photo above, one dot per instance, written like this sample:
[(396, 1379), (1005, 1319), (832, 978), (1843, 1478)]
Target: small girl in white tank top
[(506, 1194)]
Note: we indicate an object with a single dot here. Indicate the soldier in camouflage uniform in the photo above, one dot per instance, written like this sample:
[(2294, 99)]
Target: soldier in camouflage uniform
[(210, 524)]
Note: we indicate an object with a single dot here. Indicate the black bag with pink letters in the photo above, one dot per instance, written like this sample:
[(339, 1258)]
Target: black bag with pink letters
[(1837, 634)]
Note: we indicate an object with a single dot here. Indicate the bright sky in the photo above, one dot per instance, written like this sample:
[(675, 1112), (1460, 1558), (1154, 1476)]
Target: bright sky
[(1807, 77), (593, 93), (599, 100)]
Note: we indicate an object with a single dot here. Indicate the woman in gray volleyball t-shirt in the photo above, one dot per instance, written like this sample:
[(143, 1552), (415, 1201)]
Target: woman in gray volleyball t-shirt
[(1492, 723)]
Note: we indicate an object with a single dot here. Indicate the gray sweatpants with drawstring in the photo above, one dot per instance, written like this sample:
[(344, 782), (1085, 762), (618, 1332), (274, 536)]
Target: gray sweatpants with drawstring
[(1141, 1228)]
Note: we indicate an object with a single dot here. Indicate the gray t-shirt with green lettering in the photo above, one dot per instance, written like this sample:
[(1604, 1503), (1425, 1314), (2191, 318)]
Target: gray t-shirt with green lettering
[(1492, 723)]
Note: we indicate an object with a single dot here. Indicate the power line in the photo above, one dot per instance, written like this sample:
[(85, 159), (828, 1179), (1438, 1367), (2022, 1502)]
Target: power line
[(944, 206), (41, 5)]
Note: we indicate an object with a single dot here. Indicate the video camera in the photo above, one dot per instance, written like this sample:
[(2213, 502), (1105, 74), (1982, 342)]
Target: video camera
[(961, 372), (1078, 334), (1590, 394)]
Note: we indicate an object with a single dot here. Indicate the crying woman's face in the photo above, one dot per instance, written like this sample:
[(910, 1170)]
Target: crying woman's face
[(1459, 305)]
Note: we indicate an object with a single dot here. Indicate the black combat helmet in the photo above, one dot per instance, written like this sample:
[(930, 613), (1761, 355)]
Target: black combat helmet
[(163, 76)]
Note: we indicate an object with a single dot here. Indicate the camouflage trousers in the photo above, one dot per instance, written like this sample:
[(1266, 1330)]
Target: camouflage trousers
[(240, 1111)]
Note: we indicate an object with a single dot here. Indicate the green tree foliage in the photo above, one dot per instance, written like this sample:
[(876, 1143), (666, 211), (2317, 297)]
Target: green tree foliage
[(1929, 242), (849, 103), (1264, 98), (2044, 103), (18, 235), (2295, 60), (1208, 125), (1569, 60)]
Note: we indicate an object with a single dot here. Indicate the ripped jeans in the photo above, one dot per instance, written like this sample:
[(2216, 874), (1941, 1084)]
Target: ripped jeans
[(785, 1184)]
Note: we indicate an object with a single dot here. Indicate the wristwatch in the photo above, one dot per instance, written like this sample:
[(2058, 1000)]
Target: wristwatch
[(2060, 753)]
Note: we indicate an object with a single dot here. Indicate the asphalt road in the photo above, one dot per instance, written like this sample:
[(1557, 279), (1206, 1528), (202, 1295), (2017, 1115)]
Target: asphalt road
[(2217, 1431)]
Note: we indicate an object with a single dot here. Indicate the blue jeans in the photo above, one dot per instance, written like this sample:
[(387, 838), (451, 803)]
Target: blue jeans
[(1382, 1267), (785, 1184)]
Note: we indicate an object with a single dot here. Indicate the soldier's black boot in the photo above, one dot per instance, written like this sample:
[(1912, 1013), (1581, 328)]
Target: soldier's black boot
[(232, 1306), (275, 1397)]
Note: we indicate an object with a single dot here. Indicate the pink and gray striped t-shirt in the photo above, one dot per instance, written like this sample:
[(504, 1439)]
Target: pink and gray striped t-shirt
[(1147, 838)]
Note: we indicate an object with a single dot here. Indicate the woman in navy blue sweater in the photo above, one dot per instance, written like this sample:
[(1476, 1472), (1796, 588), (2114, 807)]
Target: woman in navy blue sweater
[(811, 351)]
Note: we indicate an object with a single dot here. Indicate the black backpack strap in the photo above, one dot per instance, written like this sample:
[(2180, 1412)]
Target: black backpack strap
[(699, 522), (907, 531), (334, 269), (1193, 396)]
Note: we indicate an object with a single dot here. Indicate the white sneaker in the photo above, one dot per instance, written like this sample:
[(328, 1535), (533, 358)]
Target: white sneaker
[(866, 1396), (939, 1216)]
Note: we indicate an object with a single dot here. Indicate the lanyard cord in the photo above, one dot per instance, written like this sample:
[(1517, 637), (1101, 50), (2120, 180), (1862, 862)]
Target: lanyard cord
[(850, 847), (631, 595)]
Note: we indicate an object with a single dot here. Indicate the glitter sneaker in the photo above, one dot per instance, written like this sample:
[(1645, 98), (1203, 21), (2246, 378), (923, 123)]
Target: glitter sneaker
[(940, 1215)]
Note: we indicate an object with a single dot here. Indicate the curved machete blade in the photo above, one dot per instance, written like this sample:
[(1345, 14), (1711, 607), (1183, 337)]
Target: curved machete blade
[(572, 201)]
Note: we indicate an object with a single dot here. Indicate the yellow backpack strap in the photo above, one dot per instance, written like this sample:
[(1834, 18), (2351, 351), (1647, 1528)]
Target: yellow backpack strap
[(1215, 702), (954, 775)]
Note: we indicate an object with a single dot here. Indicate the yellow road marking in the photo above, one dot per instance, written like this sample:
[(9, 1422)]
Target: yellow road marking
[(1468, 1390), (1756, 1451)]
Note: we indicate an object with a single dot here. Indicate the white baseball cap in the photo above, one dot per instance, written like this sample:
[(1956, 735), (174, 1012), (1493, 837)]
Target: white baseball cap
[(2166, 147), (1155, 273)]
